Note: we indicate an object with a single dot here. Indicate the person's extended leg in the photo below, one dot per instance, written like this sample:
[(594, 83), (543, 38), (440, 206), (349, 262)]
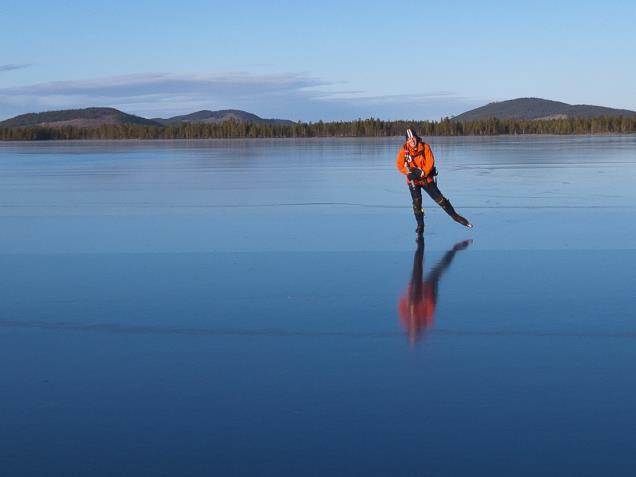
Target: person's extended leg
[(418, 211), (433, 191)]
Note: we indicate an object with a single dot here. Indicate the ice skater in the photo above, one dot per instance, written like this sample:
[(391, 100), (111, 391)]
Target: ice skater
[(415, 160)]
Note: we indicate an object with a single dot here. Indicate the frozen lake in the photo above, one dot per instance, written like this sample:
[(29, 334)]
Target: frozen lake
[(261, 307)]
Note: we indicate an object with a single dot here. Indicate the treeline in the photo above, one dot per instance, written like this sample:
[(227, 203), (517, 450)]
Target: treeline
[(359, 128)]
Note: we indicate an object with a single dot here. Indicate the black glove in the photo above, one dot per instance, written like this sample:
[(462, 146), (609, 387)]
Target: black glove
[(415, 174)]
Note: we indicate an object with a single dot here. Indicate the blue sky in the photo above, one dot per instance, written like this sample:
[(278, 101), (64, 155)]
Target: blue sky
[(314, 60)]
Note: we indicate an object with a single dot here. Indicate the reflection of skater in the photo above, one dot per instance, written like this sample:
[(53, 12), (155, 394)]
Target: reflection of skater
[(415, 160), (417, 306)]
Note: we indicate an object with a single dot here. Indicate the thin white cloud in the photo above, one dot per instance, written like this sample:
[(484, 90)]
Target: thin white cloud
[(235, 83), (285, 95)]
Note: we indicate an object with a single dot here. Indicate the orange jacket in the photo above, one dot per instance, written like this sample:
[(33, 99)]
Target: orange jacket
[(421, 157)]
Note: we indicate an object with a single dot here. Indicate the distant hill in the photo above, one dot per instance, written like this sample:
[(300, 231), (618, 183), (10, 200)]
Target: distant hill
[(86, 118), (537, 108), (214, 117)]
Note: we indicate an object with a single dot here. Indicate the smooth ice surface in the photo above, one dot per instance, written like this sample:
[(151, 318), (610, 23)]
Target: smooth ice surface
[(261, 307)]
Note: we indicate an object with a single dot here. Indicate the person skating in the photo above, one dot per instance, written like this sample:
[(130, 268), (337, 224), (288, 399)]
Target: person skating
[(416, 161)]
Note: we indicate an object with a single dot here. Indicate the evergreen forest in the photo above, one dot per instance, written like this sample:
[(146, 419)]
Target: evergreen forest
[(359, 128)]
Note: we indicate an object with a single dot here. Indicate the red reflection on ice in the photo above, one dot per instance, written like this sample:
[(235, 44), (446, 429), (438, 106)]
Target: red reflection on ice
[(417, 307)]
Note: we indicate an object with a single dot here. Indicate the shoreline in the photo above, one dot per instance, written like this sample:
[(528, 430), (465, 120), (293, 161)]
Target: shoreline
[(338, 129), (314, 138)]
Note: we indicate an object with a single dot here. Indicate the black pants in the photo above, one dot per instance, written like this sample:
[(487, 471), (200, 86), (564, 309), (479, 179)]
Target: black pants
[(434, 193)]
